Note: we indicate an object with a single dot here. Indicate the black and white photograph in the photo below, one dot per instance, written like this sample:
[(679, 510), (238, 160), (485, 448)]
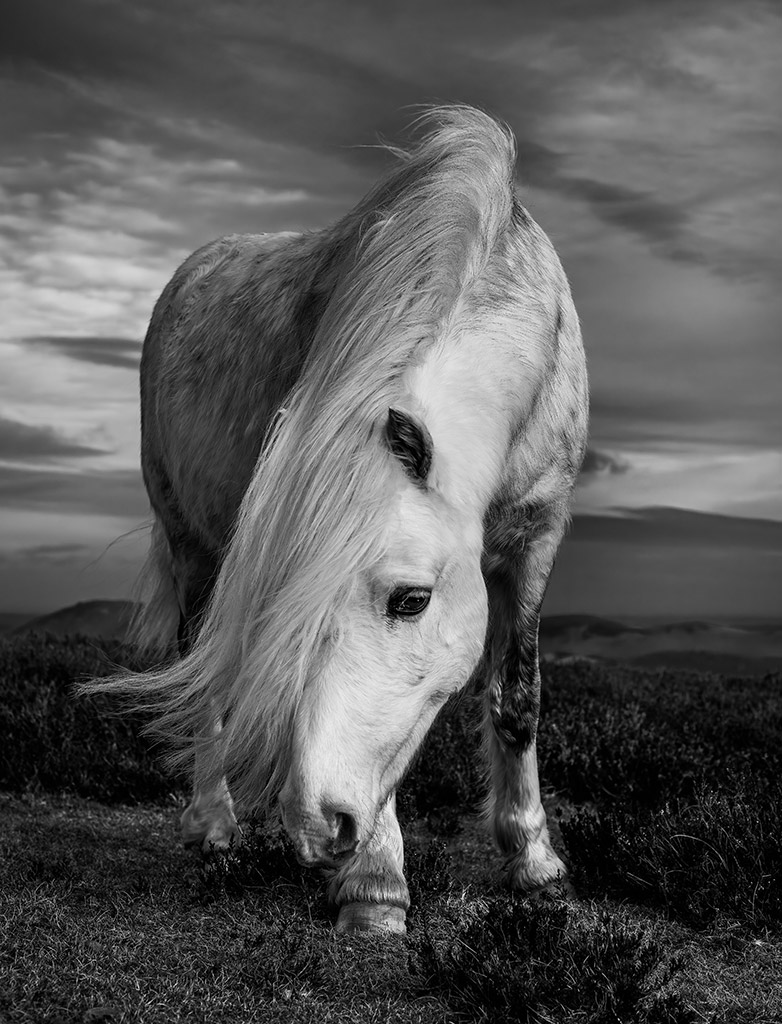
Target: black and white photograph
[(390, 512)]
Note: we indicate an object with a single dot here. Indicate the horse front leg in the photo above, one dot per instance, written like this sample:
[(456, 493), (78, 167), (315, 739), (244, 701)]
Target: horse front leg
[(209, 822), (370, 889), (517, 584)]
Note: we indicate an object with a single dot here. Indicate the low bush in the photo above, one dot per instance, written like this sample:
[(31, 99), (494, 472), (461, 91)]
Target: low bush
[(614, 735), (716, 855), (516, 959), (446, 778), (55, 741), (264, 861)]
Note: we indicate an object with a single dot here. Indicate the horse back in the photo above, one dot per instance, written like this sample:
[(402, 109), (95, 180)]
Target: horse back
[(226, 342)]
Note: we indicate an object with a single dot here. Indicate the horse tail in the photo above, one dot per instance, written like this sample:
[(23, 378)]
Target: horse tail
[(153, 626)]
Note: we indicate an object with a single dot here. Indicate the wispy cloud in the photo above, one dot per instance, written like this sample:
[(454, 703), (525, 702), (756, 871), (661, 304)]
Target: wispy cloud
[(118, 493), (57, 554), (706, 479), (123, 352), (25, 442), (677, 527), (664, 225), (598, 463), (91, 235)]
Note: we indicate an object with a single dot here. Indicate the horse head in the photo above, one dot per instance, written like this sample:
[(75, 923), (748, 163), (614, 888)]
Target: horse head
[(409, 634)]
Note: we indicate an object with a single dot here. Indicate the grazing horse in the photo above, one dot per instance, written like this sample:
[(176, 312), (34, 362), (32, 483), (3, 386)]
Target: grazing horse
[(359, 446)]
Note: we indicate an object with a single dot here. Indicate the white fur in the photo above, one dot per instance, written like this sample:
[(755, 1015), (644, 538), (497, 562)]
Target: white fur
[(437, 294)]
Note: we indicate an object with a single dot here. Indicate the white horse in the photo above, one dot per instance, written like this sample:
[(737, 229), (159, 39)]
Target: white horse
[(359, 446)]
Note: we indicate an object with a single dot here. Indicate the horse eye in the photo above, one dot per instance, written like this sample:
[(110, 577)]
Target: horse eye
[(408, 602)]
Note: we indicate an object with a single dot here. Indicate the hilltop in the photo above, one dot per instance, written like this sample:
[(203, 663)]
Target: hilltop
[(750, 648), (107, 620)]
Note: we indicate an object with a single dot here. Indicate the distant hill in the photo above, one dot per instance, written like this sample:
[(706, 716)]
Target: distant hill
[(753, 648), (105, 619), (750, 648), (9, 621), (584, 626)]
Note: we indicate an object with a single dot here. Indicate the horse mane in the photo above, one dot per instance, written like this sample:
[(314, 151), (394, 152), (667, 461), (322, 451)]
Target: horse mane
[(314, 514)]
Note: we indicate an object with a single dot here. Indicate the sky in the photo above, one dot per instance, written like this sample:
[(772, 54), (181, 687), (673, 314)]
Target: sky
[(650, 145)]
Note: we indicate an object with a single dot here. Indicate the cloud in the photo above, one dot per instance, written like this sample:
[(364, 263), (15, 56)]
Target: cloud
[(23, 442), (114, 492), (678, 230), (90, 232), (602, 463), (743, 482), (295, 94), (663, 224), (123, 352), (51, 554), (679, 528)]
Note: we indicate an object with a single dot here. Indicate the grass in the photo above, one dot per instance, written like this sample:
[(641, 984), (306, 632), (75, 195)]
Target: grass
[(667, 801)]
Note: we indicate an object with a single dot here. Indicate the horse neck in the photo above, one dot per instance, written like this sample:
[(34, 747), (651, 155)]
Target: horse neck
[(468, 404)]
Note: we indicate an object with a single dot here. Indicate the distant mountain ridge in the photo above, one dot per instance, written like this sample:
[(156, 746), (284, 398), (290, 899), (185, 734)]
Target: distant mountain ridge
[(9, 621), (696, 645), (107, 620), (586, 625)]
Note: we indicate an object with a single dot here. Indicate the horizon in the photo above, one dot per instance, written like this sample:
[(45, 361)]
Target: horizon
[(648, 145), (630, 621)]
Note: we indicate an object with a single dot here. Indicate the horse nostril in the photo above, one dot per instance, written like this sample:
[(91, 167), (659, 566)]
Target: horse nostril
[(346, 838)]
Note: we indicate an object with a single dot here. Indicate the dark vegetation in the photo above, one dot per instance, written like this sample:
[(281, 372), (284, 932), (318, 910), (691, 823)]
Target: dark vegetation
[(53, 742), (666, 798)]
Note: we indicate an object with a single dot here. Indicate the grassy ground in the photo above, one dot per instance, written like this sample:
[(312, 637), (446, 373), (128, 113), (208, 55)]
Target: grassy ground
[(664, 792)]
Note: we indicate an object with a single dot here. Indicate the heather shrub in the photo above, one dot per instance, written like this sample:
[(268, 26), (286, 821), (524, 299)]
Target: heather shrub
[(716, 855), (54, 741), (516, 959)]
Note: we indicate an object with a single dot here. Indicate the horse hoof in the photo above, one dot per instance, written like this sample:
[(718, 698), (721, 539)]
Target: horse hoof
[(371, 917), (544, 873), (210, 830)]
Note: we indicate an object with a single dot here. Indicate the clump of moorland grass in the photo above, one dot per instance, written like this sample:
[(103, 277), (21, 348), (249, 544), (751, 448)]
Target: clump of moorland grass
[(300, 959), (56, 742), (611, 734), (719, 854), (445, 781), (520, 959), (263, 862), (428, 870)]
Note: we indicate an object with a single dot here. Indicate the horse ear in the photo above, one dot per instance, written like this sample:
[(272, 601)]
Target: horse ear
[(408, 439)]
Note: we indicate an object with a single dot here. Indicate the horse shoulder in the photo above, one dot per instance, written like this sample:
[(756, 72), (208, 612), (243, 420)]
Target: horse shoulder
[(220, 355)]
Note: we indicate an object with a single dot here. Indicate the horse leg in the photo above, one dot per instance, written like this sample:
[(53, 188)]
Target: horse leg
[(517, 818), (208, 822), (370, 889)]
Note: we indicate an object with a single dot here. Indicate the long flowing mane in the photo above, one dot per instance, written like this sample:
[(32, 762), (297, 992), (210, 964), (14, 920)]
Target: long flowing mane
[(314, 513)]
